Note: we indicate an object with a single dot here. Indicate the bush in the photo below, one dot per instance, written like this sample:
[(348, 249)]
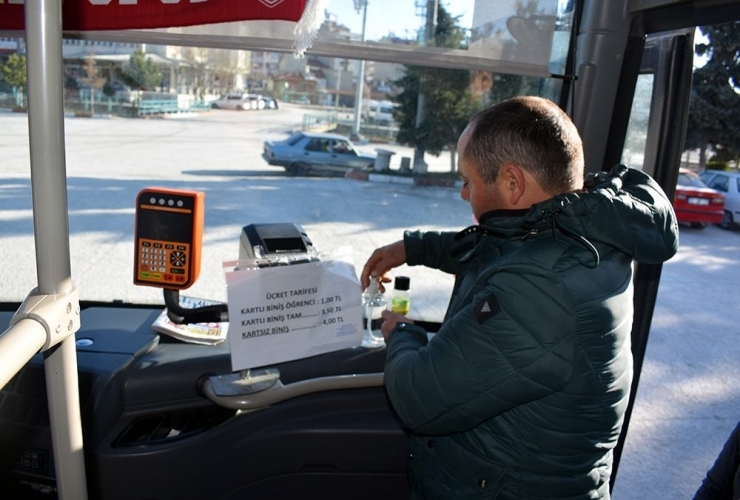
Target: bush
[(716, 165)]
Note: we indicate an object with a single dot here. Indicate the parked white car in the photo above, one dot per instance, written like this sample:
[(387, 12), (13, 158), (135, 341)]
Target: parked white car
[(380, 112), (238, 102), (306, 153), (729, 184)]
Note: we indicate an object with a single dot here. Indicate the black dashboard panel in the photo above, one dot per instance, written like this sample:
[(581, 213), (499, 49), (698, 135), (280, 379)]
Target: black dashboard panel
[(150, 433)]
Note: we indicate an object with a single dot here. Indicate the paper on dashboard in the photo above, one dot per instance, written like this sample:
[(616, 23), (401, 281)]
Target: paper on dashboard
[(288, 312)]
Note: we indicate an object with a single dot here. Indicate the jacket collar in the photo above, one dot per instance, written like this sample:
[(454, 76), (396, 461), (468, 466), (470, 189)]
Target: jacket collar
[(520, 224)]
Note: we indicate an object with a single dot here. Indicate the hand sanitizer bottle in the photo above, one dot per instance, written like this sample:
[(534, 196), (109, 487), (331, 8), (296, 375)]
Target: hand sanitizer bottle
[(400, 297), (373, 304)]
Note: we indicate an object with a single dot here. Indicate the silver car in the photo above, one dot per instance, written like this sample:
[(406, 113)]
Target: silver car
[(241, 102), (306, 153), (238, 102), (728, 183)]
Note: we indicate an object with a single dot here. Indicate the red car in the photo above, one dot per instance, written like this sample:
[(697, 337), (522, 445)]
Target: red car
[(695, 202)]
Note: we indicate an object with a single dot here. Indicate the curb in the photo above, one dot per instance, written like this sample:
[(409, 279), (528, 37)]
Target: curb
[(420, 181), (82, 114), (391, 179), (12, 110), (67, 114)]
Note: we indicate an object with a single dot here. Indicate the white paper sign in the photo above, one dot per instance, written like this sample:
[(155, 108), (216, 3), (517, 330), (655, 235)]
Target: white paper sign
[(283, 313)]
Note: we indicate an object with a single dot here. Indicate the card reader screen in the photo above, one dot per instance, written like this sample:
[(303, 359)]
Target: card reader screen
[(165, 224)]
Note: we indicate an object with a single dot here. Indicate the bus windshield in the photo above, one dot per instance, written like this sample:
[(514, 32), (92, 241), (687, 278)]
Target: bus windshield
[(342, 124), (229, 122)]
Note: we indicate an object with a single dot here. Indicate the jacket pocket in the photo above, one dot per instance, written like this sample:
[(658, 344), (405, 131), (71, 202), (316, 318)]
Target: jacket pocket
[(439, 477)]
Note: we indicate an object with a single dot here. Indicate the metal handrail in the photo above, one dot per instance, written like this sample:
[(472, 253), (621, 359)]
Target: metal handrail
[(278, 392)]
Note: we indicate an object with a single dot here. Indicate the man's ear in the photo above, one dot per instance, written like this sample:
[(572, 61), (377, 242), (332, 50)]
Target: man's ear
[(514, 183)]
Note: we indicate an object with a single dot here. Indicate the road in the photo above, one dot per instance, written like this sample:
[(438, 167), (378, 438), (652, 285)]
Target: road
[(689, 396), (688, 400), (110, 160)]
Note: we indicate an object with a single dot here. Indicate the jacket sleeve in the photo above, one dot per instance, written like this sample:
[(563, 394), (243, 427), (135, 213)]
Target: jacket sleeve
[(431, 249), (722, 479), (513, 344), (635, 208)]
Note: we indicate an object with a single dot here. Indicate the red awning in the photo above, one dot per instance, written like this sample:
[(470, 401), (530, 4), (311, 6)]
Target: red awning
[(103, 15), (94, 15)]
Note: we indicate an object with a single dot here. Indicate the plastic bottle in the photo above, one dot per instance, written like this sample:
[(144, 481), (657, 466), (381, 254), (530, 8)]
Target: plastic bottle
[(373, 304), (401, 298)]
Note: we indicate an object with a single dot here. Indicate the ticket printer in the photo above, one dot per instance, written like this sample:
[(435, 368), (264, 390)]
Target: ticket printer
[(276, 244)]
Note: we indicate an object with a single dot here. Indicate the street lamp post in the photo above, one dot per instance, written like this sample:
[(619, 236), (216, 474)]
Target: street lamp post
[(341, 66), (361, 76), (339, 84), (420, 165)]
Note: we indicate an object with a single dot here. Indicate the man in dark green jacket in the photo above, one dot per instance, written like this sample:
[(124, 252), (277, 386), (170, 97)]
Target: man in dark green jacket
[(522, 392)]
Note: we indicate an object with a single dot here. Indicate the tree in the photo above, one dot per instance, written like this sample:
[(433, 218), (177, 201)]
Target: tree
[(448, 101), (71, 85), (197, 59), (713, 121), (92, 79), (14, 74), (506, 86), (109, 90), (140, 73)]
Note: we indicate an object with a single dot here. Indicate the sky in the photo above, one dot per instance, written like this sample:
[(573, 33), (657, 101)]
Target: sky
[(396, 16), (698, 38)]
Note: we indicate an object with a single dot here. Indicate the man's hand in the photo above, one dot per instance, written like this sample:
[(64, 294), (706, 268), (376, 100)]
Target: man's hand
[(390, 320), (381, 261)]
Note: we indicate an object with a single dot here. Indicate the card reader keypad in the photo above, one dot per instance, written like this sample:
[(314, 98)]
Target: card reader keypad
[(163, 262)]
